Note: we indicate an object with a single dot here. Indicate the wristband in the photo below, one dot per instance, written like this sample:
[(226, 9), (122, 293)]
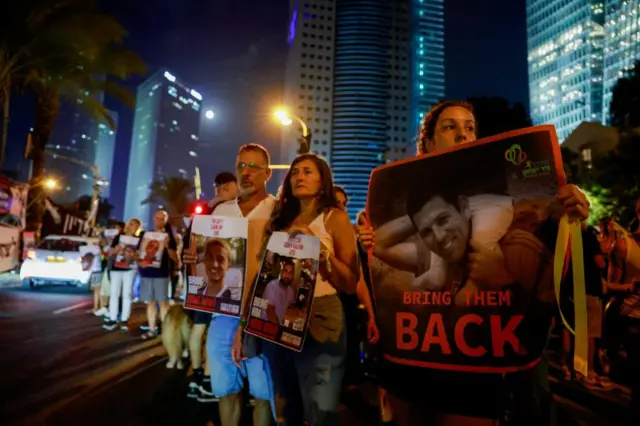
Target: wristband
[(243, 322)]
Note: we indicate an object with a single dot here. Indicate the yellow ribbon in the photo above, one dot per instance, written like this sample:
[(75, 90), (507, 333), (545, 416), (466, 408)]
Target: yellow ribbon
[(572, 233)]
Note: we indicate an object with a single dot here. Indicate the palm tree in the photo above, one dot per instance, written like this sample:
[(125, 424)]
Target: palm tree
[(171, 192), (67, 51)]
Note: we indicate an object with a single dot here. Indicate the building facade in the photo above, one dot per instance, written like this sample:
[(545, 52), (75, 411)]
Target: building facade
[(360, 74), (622, 45), (105, 152), (71, 152), (164, 142), (565, 42)]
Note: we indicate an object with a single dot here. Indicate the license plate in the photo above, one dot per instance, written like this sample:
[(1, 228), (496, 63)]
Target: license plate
[(56, 259)]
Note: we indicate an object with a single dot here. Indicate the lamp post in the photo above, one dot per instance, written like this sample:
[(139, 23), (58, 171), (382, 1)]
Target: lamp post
[(286, 119), (98, 183)]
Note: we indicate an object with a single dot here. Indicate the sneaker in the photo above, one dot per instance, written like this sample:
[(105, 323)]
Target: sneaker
[(101, 312), (194, 390), (185, 353), (109, 325), (124, 326), (144, 327), (205, 398), (205, 386)]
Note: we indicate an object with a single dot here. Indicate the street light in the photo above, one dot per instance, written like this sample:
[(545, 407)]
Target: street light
[(209, 114), (51, 183), (286, 119)]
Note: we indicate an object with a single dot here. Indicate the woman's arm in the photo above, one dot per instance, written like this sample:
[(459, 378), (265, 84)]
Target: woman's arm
[(344, 270)]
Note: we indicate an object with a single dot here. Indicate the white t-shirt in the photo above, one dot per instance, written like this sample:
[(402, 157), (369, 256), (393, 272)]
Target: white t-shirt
[(279, 297)]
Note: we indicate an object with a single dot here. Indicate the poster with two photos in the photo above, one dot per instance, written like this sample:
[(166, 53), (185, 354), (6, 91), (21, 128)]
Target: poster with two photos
[(281, 303)]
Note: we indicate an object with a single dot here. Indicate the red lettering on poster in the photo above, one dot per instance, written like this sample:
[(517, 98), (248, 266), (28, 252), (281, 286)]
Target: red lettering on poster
[(270, 329), (459, 336), (430, 337), (403, 330), (435, 334), (209, 302), (501, 336)]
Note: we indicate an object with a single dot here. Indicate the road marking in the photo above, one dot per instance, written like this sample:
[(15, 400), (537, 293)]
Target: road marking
[(71, 308)]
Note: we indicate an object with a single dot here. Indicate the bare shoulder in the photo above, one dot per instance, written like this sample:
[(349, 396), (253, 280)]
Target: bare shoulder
[(338, 219)]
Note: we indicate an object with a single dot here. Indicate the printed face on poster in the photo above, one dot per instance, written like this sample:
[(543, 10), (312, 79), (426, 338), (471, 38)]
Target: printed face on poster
[(90, 255), (216, 281), (9, 247), (281, 303), (127, 250), (462, 266), (152, 249)]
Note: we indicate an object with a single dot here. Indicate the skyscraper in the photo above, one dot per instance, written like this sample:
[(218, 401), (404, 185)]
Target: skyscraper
[(106, 141), (359, 74), (74, 138), (622, 45), (164, 141), (565, 41)]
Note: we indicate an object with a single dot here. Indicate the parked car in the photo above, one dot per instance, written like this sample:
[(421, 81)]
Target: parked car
[(61, 259)]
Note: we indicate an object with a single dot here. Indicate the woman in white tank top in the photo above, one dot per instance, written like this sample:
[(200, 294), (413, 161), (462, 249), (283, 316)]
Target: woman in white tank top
[(307, 384)]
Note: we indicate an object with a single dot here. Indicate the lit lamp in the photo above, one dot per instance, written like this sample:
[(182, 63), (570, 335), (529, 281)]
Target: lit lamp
[(50, 183), (286, 119)]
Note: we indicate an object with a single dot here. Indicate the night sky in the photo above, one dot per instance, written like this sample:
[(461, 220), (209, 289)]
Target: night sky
[(233, 52)]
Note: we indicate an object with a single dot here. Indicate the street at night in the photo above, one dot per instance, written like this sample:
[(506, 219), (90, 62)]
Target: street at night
[(66, 370)]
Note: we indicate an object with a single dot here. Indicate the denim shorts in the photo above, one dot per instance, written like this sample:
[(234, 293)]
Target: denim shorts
[(228, 379), (154, 289)]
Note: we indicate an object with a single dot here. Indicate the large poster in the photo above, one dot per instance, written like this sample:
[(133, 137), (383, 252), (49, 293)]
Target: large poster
[(9, 248), (58, 220), (13, 198), (463, 266), (216, 280), (281, 302)]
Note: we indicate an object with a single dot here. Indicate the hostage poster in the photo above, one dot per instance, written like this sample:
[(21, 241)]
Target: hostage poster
[(127, 248), (152, 249), (462, 266), (281, 302), (216, 280), (13, 197), (9, 248)]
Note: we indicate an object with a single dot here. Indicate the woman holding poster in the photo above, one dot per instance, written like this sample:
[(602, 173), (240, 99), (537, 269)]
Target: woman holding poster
[(311, 389), (430, 395)]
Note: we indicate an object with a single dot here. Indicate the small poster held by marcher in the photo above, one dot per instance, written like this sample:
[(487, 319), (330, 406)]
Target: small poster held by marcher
[(127, 249), (216, 280), (91, 257), (152, 248), (282, 298), (462, 266)]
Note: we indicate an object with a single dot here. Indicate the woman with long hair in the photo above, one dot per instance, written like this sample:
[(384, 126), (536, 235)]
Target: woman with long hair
[(307, 384)]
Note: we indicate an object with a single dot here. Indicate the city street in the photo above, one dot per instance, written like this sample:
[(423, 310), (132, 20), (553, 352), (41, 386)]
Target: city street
[(62, 368)]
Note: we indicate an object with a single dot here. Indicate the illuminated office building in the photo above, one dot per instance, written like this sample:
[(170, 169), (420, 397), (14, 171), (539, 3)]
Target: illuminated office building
[(622, 45), (565, 40), (105, 152), (164, 141), (360, 74)]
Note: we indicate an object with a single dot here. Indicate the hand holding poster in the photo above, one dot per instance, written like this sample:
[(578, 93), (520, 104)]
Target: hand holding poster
[(281, 302), (127, 250), (152, 249), (463, 266), (216, 280)]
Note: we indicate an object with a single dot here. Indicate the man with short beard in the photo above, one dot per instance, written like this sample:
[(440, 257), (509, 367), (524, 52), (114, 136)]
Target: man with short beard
[(279, 293), (230, 370)]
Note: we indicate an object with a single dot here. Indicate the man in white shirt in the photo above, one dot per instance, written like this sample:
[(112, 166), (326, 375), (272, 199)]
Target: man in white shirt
[(254, 203), (279, 293)]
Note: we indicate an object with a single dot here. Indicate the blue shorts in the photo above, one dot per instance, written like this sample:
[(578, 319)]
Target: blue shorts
[(227, 378)]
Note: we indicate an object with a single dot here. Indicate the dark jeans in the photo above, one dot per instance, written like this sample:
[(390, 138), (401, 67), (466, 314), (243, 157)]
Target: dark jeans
[(307, 384), (632, 343)]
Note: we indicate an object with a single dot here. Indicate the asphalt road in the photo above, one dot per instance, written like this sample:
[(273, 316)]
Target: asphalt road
[(61, 368)]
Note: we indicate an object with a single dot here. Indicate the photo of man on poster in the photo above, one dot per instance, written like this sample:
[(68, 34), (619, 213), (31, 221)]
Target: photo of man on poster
[(279, 292), (216, 264)]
